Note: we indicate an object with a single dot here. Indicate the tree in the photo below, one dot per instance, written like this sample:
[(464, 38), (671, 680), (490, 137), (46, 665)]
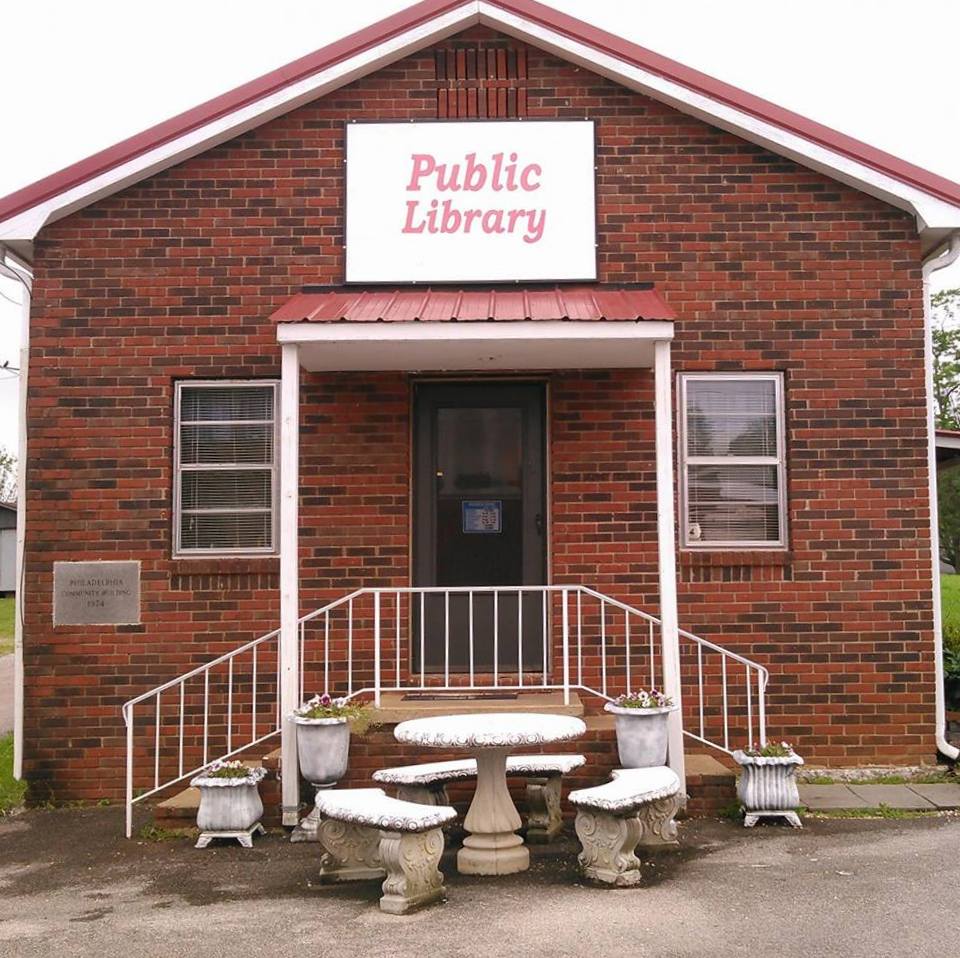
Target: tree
[(8, 476), (946, 358)]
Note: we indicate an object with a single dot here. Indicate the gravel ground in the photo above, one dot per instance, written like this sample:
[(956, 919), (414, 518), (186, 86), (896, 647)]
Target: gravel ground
[(71, 885)]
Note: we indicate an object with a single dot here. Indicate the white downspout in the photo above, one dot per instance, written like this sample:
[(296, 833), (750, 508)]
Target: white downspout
[(930, 266), (18, 270)]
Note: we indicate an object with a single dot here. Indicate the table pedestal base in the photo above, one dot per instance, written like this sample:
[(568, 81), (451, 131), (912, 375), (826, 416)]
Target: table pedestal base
[(492, 848)]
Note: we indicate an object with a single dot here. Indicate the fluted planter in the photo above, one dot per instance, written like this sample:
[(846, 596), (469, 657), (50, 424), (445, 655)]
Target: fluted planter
[(641, 734), (323, 746), (768, 787), (229, 807)]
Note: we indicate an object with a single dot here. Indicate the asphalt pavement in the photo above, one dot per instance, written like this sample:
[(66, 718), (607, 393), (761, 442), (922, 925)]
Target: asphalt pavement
[(71, 885)]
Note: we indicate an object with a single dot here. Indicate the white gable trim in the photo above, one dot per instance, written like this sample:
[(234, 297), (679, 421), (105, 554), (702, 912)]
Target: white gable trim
[(25, 226), (935, 217)]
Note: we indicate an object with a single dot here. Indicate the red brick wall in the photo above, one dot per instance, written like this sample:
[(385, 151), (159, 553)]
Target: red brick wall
[(769, 266)]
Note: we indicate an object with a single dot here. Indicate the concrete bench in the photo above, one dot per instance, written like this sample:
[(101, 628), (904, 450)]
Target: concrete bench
[(427, 784), (367, 834), (636, 807)]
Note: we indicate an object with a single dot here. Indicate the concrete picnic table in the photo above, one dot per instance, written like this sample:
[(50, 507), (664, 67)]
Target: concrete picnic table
[(492, 846)]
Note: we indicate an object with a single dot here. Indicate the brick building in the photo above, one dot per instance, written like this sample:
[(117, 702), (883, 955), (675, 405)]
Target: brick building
[(672, 381)]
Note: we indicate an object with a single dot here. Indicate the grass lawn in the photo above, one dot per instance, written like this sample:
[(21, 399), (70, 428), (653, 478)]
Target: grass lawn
[(6, 625), (950, 603), (11, 791)]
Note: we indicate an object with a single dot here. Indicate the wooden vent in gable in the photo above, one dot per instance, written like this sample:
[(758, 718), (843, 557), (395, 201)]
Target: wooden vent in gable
[(481, 81)]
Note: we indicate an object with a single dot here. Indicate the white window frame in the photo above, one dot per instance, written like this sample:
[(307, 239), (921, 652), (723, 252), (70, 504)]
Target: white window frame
[(179, 467), (685, 461)]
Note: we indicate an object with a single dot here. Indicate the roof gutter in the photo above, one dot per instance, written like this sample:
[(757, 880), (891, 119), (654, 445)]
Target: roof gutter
[(14, 268), (943, 258)]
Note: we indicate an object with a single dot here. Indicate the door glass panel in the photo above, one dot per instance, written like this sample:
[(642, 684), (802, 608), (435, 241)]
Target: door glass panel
[(479, 451)]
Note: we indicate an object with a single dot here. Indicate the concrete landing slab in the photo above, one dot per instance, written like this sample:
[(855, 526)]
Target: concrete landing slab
[(942, 795), (893, 796), (821, 797)]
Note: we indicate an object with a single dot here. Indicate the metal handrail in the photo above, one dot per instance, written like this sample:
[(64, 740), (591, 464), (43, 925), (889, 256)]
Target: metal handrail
[(585, 617)]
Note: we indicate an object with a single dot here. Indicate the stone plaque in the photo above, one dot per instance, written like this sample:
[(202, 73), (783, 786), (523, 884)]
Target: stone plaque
[(96, 593)]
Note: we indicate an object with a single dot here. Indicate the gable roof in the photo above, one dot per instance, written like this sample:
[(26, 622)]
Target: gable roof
[(934, 200)]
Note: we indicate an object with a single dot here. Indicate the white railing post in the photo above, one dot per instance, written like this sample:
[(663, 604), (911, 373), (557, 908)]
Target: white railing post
[(129, 809), (762, 705), (667, 553), (566, 649), (288, 679), (376, 648)]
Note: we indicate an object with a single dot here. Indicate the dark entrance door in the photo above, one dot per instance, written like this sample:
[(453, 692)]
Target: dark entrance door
[(479, 520)]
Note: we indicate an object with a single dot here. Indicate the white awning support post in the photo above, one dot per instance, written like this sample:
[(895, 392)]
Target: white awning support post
[(289, 675), (667, 552)]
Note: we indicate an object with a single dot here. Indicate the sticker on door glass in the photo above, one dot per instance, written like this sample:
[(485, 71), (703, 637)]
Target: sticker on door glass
[(482, 516)]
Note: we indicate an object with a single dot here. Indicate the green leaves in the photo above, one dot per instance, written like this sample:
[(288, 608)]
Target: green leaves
[(946, 357)]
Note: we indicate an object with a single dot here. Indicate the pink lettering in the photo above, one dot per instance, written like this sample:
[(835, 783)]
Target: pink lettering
[(534, 169), (450, 221), (408, 226), (423, 165), (475, 174), (536, 223)]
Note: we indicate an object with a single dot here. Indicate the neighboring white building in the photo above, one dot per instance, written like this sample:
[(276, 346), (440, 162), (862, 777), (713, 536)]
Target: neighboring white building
[(8, 546)]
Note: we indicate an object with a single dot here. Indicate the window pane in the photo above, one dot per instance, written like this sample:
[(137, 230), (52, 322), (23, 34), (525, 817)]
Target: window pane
[(731, 417), (732, 504), (226, 402), (225, 490), (227, 444), (238, 530)]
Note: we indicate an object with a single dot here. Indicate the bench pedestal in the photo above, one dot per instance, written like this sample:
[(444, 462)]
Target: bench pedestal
[(608, 847), (657, 822), (351, 852), (413, 878), (544, 818)]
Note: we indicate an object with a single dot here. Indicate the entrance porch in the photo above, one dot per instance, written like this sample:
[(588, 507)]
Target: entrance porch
[(502, 626)]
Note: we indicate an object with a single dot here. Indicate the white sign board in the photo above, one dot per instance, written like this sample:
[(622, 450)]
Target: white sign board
[(488, 201)]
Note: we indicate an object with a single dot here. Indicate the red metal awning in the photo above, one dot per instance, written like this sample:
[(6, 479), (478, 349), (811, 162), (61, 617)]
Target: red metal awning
[(411, 304)]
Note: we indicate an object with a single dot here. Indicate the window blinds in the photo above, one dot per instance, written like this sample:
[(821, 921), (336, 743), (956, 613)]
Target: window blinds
[(732, 460), (226, 461)]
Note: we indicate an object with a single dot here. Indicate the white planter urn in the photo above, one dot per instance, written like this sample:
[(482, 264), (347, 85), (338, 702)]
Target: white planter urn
[(768, 787), (323, 746), (641, 734), (229, 807)]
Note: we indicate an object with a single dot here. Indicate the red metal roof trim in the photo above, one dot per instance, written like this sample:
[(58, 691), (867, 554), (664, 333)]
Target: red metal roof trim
[(474, 305), (427, 10)]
